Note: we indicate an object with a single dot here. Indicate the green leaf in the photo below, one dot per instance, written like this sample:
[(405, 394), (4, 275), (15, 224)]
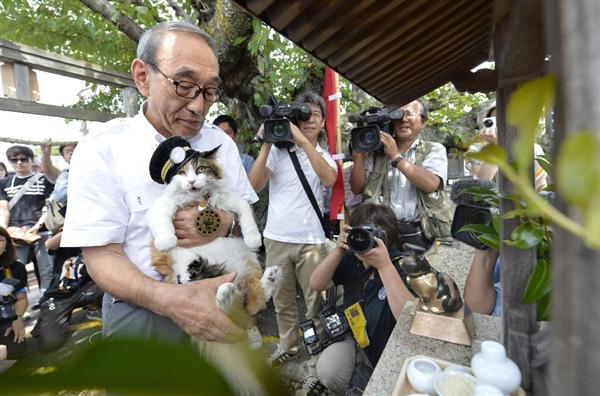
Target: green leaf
[(143, 10), (496, 223), (115, 16), (492, 153), (544, 161), (539, 282), (239, 40), (484, 229), (490, 241), (525, 236), (544, 308), (577, 174), (524, 110), (591, 218)]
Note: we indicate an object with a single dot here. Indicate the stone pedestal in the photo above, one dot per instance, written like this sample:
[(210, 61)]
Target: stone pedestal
[(403, 345)]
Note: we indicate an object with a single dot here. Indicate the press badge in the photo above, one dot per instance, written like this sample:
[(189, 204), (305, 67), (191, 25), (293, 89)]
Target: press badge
[(358, 324)]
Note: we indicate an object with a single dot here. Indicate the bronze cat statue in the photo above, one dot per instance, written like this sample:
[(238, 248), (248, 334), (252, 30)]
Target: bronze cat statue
[(437, 291)]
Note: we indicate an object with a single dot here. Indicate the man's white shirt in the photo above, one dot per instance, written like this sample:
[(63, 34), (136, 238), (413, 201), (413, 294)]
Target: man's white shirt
[(403, 194), (110, 189), (291, 217)]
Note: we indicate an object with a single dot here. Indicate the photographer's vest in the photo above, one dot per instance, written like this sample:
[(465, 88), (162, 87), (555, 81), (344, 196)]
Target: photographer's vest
[(377, 188), (435, 209)]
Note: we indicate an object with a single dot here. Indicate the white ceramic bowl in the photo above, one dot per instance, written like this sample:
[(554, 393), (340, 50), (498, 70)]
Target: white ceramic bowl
[(482, 389), (464, 384), (420, 373), (458, 367)]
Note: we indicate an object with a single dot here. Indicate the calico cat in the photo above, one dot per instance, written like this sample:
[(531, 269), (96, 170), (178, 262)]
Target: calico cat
[(199, 178)]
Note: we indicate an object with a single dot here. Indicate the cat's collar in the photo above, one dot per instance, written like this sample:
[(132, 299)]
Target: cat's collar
[(203, 203)]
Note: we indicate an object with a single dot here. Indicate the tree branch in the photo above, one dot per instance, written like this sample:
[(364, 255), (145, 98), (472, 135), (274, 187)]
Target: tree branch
[(141, 3), (180, 12), (123, 23)]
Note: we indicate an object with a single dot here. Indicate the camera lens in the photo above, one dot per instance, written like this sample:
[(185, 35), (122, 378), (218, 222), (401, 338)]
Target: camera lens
[(279, 131), (359, 240), (478, 217), (488, 122), (369, 138)]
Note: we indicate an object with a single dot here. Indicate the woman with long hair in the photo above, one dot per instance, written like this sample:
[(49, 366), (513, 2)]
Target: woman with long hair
[(13, 298)]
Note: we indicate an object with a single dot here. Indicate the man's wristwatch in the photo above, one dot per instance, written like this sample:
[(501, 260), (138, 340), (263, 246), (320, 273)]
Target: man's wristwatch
[(397, 160)]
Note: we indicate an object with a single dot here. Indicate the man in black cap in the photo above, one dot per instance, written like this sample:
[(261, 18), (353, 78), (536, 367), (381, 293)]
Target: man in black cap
[(110, 191)]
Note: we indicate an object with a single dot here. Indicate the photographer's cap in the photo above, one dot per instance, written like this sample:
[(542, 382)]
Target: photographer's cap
[(169, 157)]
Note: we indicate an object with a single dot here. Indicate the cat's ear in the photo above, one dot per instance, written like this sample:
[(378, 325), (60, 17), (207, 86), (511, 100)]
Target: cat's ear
[(211, 154)]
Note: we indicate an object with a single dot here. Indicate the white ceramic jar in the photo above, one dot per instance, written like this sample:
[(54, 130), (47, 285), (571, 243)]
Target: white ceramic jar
[(492, 366), (420, 373)]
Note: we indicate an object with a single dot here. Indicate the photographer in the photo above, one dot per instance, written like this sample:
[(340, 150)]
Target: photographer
[(406, 167), (293, 237), (13, 298), (382, 294)]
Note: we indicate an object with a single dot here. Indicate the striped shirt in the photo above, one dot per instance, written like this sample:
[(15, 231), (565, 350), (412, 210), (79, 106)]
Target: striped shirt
[(28, 209)]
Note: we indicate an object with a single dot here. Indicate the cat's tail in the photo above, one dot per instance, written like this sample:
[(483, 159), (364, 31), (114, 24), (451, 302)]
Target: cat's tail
[(236, 364)]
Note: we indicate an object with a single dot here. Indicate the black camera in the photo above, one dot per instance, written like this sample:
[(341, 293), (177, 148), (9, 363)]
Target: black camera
[(335, 328), (7, 303), (366, 136), (360, 239), (277, 128), (470, 210)]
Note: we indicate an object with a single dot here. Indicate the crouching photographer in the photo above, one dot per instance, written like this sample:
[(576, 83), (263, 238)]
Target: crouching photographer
[(13, 298), (365, 262)]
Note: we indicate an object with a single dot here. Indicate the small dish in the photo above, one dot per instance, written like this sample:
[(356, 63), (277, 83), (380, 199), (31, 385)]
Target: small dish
[(420, 374), (454, 383), (458, 367)]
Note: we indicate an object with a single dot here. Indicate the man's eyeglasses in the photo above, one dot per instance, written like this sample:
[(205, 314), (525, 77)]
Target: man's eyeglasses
[(14, 160), (190, 90)]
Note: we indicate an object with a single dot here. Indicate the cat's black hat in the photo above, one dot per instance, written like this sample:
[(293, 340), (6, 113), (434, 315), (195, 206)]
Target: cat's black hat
[(169, 157)]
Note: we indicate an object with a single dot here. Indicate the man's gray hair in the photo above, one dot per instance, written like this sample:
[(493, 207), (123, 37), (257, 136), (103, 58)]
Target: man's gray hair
[(151, 39), (312, 98)]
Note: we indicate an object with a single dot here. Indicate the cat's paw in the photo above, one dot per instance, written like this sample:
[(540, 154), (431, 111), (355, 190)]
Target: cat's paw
[(225, 296), (253, 240), (254, 338), (165, 242), (271, 278)]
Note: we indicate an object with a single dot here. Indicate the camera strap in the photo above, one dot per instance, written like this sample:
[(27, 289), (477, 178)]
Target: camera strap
[(309, 193)]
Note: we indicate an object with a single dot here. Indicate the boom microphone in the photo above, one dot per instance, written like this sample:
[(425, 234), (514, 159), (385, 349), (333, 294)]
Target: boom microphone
[(354, 118), (265, 110)]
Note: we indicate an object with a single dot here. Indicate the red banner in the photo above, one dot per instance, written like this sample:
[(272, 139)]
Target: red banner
[(330, 89)]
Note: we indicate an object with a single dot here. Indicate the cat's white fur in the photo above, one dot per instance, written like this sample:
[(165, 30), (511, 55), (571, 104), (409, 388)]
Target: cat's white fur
[(236, 253)]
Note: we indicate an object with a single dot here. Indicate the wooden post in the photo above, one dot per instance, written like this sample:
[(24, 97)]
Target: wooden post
[(129, 96), (22, 83), (575, 47), (517, 60)]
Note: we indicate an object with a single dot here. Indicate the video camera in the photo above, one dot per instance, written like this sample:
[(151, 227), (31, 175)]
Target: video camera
[(277, 129), (360, 239), (470, 211), (7, 303), (334, 322), (365, 137)]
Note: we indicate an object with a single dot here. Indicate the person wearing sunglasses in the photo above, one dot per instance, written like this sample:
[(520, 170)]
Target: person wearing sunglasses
[(110, 191), (21, 210)]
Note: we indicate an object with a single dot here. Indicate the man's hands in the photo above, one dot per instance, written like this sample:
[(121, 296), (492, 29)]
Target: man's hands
[(377, 257), (186, 231), (489, 135), (390, 148), (18, 328), (193, 307)]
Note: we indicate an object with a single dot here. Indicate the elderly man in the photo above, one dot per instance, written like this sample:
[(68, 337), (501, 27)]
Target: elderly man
[(405, 172), (110, 191)]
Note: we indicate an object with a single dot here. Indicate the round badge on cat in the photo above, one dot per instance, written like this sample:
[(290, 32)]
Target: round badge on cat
[(208, 222)]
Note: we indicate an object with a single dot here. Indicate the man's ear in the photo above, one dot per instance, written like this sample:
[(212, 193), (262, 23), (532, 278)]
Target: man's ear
[(140, 74)]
